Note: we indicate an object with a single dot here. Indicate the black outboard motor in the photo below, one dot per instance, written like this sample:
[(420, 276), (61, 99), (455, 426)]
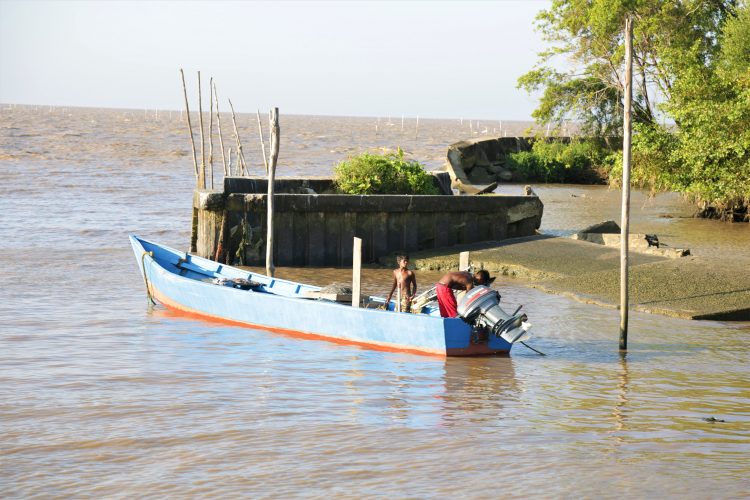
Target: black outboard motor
[(481, 307)]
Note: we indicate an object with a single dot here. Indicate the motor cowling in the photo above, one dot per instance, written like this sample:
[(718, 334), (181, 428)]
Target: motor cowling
[(481, 307)]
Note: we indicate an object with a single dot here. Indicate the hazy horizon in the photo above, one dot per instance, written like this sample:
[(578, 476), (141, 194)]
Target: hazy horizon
[(150, 112)]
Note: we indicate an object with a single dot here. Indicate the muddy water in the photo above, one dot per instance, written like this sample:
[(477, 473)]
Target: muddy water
[(101, 395)]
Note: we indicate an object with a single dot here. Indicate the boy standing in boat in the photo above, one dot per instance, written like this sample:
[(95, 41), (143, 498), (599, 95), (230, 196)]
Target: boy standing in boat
[(406, 281), (460, 280)]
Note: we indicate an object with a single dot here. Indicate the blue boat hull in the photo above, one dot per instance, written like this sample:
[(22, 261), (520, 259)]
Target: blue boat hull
[(186, 283)]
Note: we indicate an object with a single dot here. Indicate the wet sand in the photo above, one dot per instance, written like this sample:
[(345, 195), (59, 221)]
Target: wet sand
[(689, 287)]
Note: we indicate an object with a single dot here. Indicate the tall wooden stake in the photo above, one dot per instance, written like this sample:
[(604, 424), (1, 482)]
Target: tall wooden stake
[(625, 222), (262, 142), (275, 136), (221, 139), (190, 126), (357, 272), (211, 133), (202, 179), (240, 155)]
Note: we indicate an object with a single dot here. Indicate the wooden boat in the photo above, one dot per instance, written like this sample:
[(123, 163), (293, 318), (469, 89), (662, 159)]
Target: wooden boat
[(206, 288)]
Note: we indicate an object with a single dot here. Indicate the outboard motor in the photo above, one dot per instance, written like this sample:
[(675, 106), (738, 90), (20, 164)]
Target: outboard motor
[(481, 307)]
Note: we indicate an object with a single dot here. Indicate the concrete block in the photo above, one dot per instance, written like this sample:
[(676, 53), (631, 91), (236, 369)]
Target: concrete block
[(300, 237), (332, 239), (316, 249)]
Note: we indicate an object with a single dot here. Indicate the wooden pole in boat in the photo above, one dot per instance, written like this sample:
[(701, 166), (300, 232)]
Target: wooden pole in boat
[(221, 139), (211, 133), (463, 261), (625, 222), (262, 142), (356, 271), (202, 180), (190, 126), (275, 135), (194, 221), (240, 156)]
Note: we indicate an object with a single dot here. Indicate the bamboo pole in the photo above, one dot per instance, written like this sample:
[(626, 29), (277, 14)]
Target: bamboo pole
[(190, 126), (625, 222), (240, 155), (357, 273), (416, 131), (202, 179), (227, 171), (220, 255), (275, 136), (262, 142), (211, 132)]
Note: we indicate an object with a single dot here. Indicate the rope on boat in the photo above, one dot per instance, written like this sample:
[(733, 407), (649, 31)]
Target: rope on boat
[(145, 276), (527, 345)]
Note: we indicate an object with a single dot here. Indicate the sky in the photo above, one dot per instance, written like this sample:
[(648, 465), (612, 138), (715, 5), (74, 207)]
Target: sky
[(429, 59)]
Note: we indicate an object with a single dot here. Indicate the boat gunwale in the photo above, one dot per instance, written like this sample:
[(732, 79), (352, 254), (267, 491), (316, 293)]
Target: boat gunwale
[(278, 296)]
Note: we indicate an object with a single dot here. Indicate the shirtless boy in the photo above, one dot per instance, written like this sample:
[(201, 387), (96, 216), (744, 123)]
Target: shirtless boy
[(406, 281), (460, 280)]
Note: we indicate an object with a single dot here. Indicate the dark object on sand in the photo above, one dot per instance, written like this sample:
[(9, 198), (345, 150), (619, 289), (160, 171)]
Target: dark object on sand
[(653, 240)]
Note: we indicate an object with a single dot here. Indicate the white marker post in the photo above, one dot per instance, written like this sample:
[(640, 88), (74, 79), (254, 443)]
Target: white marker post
[(463, 261), (356, 271)]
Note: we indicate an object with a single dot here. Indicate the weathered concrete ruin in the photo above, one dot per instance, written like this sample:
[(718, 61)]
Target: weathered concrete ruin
[(314, 227), (484, 160)]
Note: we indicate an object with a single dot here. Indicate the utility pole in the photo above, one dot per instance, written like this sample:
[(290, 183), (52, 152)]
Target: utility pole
[(625, 222)]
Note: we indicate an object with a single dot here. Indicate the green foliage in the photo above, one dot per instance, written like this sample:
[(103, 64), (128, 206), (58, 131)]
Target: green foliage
[(667, 36), (383, 174), (587, 99), (556, 161), (693, 56), (707, 155)]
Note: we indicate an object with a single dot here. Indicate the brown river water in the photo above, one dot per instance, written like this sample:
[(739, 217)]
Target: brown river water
[(104, 396)]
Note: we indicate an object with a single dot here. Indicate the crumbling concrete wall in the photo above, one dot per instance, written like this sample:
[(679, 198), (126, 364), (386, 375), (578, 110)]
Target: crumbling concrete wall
[(484, 160), (312, 229)]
